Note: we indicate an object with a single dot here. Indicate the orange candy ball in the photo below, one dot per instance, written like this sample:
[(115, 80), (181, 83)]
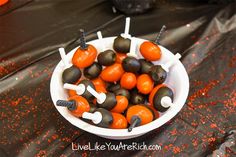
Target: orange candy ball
[(84, 58), (119, 121), (82, 105), (112, 73), (145, 84), (153, 92), (142, 112), (128, 80), (150, 51), (122, 103)]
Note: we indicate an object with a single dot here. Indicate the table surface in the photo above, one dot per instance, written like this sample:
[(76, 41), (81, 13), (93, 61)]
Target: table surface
[(31, 33)]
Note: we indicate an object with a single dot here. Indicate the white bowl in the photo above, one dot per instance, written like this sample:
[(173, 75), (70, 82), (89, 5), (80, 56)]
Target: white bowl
[(177, 80)]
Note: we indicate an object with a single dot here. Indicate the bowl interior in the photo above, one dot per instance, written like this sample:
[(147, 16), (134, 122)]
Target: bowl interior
[(177, 80)]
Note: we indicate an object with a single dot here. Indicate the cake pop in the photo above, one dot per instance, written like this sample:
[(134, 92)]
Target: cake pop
[(107, 101), (71, 74), (100, 117), (163, 99), (106, 57), (150, 50), (85, 55), (122, 42), (159, 72), (77, 105), (138, 115)]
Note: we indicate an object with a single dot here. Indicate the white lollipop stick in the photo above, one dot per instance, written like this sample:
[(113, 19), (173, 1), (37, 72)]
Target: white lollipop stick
[(95, 117), (132, 51), (80, 89), (170, 63), (127, 25), (101, 97), (99, 34), (64, 58), (166, 102)]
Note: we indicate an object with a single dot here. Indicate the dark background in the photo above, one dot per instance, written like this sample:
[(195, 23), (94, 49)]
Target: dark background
[(32, 31)]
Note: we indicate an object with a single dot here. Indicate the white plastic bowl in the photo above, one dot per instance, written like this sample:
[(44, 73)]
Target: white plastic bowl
[(177, 80)]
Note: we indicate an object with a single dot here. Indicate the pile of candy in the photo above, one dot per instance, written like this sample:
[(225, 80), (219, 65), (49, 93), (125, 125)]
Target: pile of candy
[(117, 89)]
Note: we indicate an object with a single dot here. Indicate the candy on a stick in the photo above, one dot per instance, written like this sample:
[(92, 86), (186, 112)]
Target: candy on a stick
[(138, 115), (122, 103), (144, 84), (163, 99), (122, 42), (107, 101), (77, 105), (159, 72), (128, 80), (131, 64), (93, 71), (106, 57), (153, 92), (112, 73), (119, 121), (81, 88), (71, 74), (145, 66), (150, 50), (100, 117), (100, 85), (85, 55)]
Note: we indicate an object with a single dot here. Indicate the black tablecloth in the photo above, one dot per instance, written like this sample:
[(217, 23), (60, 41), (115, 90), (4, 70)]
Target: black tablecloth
[(31, 33)]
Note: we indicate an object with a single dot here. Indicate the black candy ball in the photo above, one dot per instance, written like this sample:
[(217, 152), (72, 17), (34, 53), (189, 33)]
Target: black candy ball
[(71, 75), (136, 98), (107, 118), (131, 64), (158, 74), (162, 92), (109, 103), (93, 71), (106, 58), (145, 66), (121, 45), (122, 92), (86, 94), (113, 87)]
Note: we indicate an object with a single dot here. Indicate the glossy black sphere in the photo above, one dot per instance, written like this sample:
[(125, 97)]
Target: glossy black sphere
[(87, 94), (93, 71), (162, 92), (109, 103), (106, 58), (131, 64), (121, 45), (158, 74), (107, 118), (145, 66), (71, 75), (136, 98), (122, 92)]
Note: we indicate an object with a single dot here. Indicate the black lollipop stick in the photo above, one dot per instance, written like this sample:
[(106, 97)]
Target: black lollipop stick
[(83, 44), (71, 105), (135, 121), (157, 41)]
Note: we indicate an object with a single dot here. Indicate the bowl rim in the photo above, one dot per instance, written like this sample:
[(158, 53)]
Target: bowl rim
[(172, 112)]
